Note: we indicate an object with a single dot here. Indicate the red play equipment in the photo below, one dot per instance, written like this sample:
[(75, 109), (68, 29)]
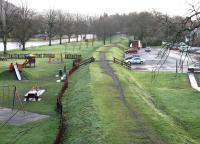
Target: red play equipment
[(16, 68), (19, 66)]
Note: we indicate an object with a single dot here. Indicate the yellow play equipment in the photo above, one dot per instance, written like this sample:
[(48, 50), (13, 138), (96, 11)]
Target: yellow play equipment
[(55, 58), (29, 59)]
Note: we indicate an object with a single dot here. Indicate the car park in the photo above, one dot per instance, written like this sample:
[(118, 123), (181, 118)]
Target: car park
[(135, 60), (147, 49), (194, 67)]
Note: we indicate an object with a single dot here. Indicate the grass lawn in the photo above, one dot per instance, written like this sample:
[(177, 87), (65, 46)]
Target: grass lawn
[(43, 75), (167, 108), (94, 113), (71, 48), (168, 103)]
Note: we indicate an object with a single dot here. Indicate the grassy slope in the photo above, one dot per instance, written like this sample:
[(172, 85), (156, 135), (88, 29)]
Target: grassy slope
[(94, 113), (44, 76), (168, 102)]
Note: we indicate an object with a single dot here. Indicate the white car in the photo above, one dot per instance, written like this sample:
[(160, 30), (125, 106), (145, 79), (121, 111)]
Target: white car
[(135, 60), (194, 67), (147, 49)]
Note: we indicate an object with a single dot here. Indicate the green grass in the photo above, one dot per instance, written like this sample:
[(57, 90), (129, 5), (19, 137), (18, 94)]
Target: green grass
[(168, 103), (71, 48), (94, 113), (167, 107), (43, 75)]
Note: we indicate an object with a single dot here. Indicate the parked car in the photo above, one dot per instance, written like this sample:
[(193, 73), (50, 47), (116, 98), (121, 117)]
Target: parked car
[(175, 47), (194, 67), (131, 56), (132, 50), (147, 49), (135, 60)]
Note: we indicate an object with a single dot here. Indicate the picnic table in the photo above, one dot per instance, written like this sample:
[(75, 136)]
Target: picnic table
[(33, 95)]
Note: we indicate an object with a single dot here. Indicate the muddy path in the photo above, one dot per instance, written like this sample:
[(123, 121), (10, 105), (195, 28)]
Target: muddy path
[(143, 133)]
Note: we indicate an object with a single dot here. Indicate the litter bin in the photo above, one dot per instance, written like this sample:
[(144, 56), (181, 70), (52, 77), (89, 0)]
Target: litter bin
[(60, 73)]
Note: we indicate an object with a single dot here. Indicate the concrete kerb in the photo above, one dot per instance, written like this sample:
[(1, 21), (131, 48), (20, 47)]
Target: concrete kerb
[(193, 81)]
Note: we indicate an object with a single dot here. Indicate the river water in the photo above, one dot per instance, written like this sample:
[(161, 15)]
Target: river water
[(16, 45)]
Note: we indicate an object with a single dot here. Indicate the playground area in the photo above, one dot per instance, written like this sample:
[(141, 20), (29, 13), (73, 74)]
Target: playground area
[(33, 102)]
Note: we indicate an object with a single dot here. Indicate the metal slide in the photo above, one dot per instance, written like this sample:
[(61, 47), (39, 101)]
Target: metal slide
[(17, 72)]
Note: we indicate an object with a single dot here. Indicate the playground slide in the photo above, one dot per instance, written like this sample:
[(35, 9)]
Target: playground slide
[(17, 73)]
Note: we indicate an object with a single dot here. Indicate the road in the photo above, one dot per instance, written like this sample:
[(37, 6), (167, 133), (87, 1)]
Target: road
[(15, 45), (153, 61)]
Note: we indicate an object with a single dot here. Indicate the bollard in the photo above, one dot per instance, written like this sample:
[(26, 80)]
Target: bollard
[(65, 69)]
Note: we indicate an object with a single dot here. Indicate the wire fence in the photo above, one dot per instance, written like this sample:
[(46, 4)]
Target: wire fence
[(7, 96)]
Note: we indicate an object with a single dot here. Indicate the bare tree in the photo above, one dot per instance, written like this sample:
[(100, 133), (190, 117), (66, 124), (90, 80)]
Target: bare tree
[(102, 27), (23, 25), (50, 23), (76, 27), (92, 27), (184, 31), (61, 20), (69, 25), (8, 17)]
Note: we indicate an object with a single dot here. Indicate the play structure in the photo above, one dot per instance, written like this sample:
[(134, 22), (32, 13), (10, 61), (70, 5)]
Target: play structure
[(16, 68), (9, 97), (29, 60), (34, 94), (55, 58)]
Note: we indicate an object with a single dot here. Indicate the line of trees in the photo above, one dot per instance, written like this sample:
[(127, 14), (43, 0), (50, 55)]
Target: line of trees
[(21, 23)]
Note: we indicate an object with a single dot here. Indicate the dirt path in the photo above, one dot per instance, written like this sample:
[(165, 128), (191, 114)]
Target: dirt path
[(142, 131)]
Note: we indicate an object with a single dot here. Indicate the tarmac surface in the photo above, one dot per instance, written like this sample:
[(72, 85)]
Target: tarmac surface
[(18, 117), (155, 62)]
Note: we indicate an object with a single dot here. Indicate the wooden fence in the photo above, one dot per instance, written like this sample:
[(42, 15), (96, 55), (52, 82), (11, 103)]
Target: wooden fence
[(121, 62), (59, 106), (22, 56)]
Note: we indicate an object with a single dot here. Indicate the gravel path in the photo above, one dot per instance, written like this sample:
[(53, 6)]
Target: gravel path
[(142, 131)]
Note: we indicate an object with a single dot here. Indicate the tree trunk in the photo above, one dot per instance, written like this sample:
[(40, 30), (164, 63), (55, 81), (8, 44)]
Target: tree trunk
[(76, 38), (60, 40), (81, 37), (92, 39), (85, 36), (23, 48), (104, 39), (69, 39), (5, 45), (49, 41)]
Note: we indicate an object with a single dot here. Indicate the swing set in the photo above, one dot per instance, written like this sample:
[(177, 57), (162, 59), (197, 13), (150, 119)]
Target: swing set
[(9, 97)]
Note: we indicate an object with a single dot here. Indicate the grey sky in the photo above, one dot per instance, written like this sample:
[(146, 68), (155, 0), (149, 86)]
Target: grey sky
[(96, 7)]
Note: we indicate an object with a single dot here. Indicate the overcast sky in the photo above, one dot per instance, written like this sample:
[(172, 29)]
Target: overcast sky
[(96, 7)]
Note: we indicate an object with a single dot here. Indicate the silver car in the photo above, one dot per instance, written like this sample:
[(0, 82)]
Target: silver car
[(135, 60), (194, 67)]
